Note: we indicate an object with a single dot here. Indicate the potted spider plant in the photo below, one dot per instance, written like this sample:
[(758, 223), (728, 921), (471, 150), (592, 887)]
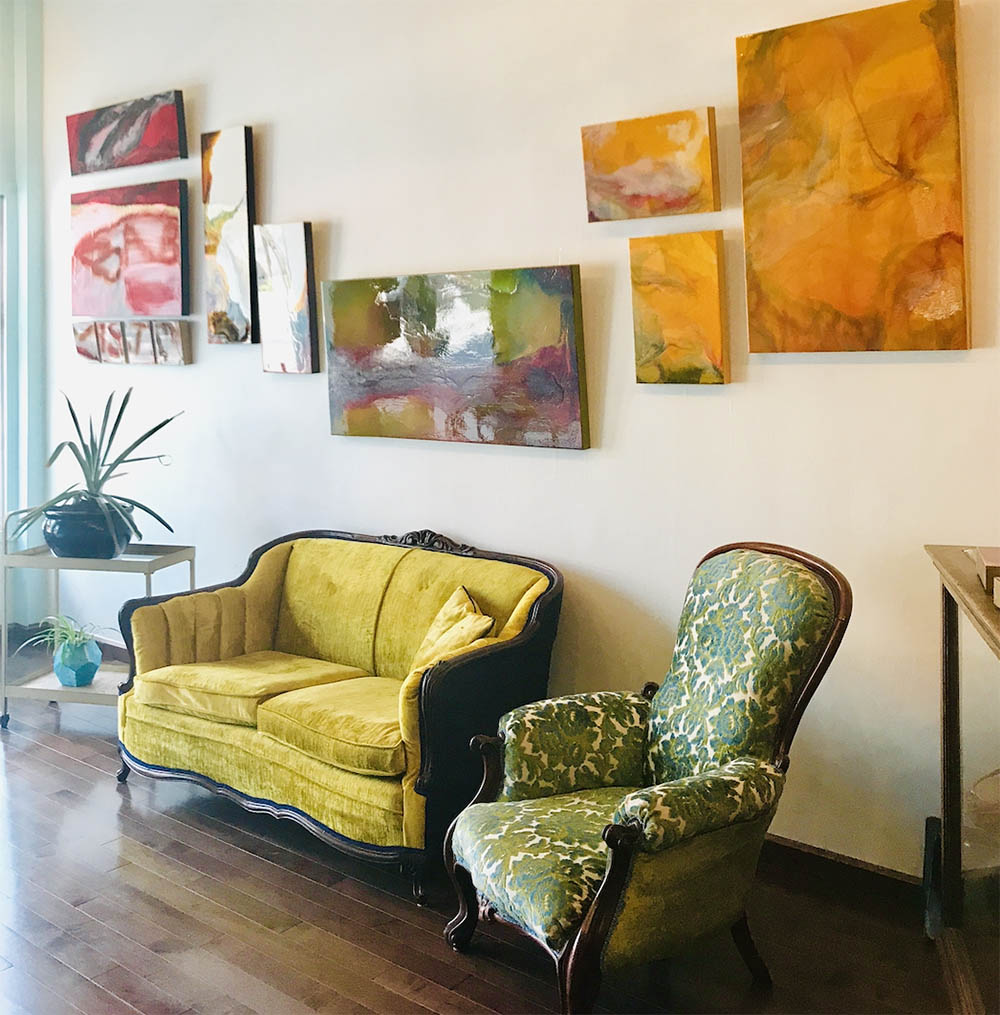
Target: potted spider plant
[(85, 520), (76, 656)]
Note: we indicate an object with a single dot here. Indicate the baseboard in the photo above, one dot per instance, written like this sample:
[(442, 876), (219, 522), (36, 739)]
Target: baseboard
[(849, 861), (842, 877)]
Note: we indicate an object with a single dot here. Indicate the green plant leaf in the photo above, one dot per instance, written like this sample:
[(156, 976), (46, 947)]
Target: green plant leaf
[(149, 511), (118, 420), (109, 469), (76, 421), (104, 427), (32, 515), (125, 516), (60, 448)]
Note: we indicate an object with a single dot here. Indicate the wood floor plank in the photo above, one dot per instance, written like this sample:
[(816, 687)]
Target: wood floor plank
[(159, 897), (26, 994)]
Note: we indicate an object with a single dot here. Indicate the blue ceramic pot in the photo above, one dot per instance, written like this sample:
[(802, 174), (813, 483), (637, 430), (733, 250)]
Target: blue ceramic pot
[(76, 665), (81, 529)]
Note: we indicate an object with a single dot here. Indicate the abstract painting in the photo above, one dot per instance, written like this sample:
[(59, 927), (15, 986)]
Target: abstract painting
[(655, 165), (852, 182), (286, 297), (228, 194), (494, 357), (676, 309), (110, 341), (85, 337), (127, 134), (172, 342), (130, 250), (139, 342)]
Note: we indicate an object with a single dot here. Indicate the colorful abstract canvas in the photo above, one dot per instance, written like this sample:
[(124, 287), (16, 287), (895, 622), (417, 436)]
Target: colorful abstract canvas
[(680, 335), (494, 357), (139, 342), (228, 194), (655, 165), (127, 134), (852, 182), (130, 251), (111, 341), (286, 298), (172, 342), (85, 339)]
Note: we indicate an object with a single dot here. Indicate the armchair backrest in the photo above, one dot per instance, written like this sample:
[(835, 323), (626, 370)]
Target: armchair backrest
[(759, 627)]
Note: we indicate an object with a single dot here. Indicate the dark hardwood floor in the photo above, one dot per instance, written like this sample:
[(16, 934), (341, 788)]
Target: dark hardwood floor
[(161, 898)]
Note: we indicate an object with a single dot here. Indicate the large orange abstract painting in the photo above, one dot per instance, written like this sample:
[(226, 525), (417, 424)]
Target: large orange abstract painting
[(852, 182), (655, 165)]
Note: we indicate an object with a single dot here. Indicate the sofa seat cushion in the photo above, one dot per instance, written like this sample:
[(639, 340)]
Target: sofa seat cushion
[(231, 689), (353, 724)]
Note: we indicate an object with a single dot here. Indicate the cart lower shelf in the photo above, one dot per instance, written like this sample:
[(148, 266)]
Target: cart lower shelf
[(46, 687)]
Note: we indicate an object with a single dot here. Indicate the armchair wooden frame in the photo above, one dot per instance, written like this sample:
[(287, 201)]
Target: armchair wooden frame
[(455, 696), (578, 963)]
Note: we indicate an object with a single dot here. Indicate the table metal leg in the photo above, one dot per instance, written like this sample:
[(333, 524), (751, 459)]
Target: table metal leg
[(149, 585), (192, 575)]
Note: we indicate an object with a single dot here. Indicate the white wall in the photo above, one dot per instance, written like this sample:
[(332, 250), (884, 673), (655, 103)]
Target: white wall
[(445, 135)]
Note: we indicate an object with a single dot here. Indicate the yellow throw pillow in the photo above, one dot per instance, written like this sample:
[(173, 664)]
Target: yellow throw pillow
[(458, 624)]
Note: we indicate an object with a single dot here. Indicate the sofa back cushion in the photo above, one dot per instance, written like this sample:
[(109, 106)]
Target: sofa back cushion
[(421, 585), (332, 596)]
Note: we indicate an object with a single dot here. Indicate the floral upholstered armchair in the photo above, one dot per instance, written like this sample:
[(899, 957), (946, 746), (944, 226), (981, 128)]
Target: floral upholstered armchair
[(614, 828)]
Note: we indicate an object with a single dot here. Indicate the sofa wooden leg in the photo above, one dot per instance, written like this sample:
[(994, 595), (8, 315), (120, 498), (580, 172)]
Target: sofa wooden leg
[(122, 773), (418, 883), (459, 932), (748, 950)]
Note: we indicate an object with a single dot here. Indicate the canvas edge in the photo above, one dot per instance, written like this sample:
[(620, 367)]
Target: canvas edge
[(251, 222), (311, 299), (579, 358), (713, 148), (182, 145)]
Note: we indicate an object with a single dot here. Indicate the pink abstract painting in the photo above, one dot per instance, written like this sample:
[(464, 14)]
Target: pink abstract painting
[(130, 251)]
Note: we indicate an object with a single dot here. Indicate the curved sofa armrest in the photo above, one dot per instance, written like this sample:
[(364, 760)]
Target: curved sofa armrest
[(464, 696), (208, 624), (670, 812), (577, 742)]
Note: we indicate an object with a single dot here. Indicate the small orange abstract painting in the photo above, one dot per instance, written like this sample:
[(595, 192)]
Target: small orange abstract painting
[(852, 182), (680, 335), (655, 165)]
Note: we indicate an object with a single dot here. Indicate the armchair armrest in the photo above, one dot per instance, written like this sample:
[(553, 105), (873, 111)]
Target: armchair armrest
[(581, 741), (670, 812)]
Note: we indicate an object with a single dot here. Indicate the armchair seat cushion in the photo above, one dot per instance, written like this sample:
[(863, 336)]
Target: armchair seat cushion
[(230, 690), (539, 861), (353, 724)]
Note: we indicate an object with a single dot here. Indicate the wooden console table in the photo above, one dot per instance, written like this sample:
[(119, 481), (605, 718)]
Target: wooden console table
[(943, 888)]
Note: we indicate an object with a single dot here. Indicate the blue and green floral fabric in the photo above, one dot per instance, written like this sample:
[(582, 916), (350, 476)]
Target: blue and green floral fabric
[(752, 627), (742, 790), (540, 861), (582, 741)]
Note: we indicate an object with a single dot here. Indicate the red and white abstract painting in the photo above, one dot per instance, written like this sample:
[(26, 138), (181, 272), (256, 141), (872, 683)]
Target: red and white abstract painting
[(130, 251)]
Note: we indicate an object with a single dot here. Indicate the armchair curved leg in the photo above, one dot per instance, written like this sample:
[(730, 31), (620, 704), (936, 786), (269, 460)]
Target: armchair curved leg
[(579, 982), (459, 931), (748, 950)]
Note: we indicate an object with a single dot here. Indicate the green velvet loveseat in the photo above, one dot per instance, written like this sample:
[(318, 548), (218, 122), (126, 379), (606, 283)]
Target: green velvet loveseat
[(338, 681)]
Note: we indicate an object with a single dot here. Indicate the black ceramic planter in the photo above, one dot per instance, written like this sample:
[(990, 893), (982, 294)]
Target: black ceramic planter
[(81, 530)]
